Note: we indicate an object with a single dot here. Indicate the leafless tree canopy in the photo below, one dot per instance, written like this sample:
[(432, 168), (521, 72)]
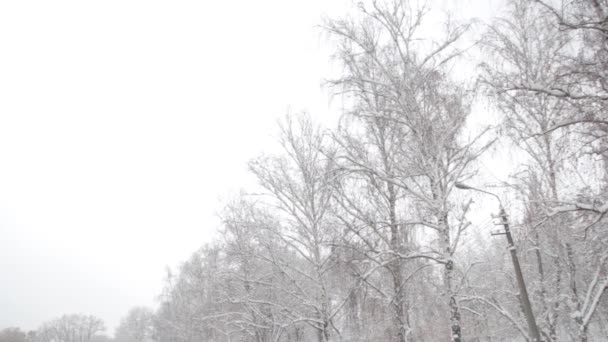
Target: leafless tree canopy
[(70, 328)]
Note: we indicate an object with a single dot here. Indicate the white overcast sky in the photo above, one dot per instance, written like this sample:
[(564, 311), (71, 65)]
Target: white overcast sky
[(123, 124)]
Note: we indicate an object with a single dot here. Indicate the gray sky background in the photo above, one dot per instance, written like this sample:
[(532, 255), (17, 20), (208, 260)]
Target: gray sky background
[(124, 123)]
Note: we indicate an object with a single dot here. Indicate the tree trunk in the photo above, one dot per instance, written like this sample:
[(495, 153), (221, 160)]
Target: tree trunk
[(396, 270), (448, 279), (455, 321)]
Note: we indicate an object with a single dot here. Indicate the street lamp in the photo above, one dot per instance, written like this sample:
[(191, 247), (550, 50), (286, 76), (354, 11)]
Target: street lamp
[(532, 327)]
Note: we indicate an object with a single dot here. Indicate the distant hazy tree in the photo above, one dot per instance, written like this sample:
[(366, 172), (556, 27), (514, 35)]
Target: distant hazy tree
[(12, 335), (71, 328), (190, 298), (137, 326)]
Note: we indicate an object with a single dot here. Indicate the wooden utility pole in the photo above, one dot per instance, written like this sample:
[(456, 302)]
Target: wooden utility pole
[(525, 300)]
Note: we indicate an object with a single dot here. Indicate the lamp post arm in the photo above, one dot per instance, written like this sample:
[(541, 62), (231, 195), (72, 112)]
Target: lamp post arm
[(468, 187), (493, 194)]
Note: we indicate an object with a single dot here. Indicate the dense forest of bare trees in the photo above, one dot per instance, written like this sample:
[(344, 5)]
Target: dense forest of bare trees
[(362, 232)]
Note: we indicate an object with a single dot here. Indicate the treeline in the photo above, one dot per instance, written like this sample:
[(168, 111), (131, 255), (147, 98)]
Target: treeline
[(359, 233), (67, 328), (136, 326)]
